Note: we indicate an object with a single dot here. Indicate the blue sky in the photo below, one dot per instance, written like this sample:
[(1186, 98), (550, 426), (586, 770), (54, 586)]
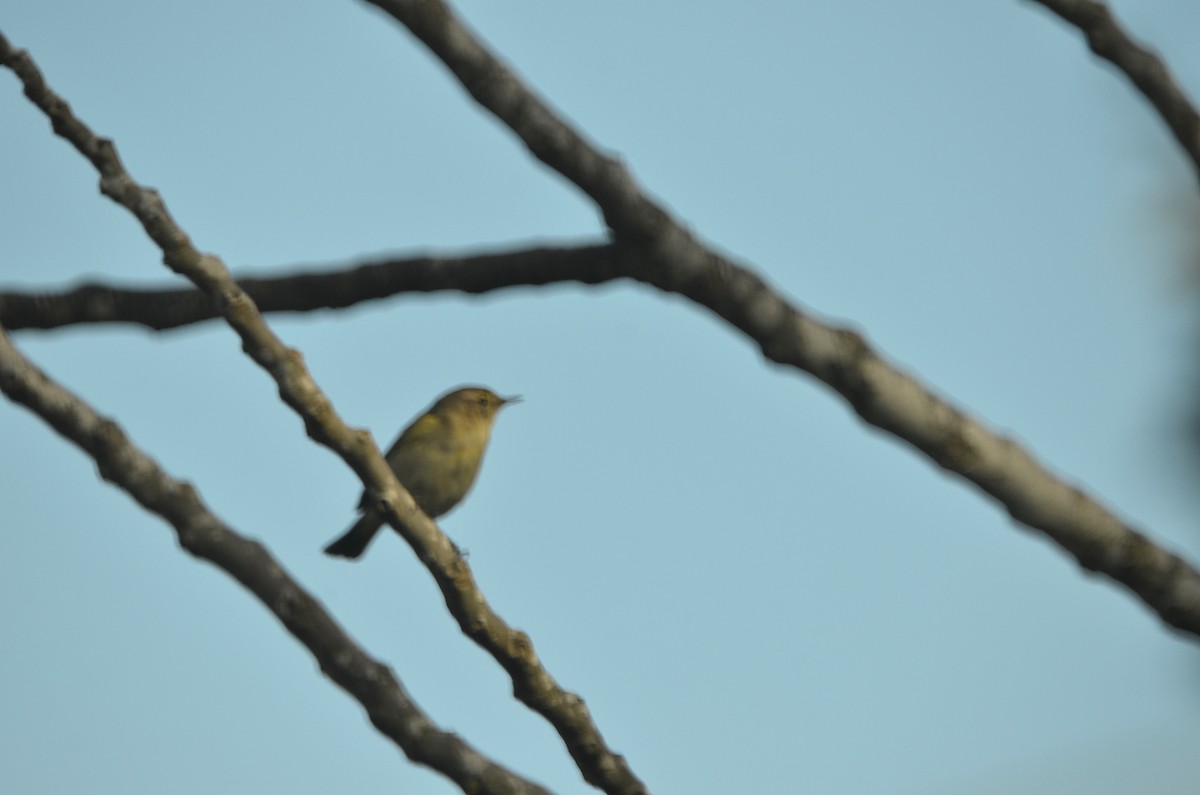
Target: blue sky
[(754, 591)]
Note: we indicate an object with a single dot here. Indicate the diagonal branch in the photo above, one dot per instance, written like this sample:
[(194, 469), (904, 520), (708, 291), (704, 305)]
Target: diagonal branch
[(204, 535), (1144, 69), (882, 394), (532, 683), (627, 210)]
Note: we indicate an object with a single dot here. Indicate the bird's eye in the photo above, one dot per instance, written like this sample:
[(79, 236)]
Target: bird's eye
[(483, 401)]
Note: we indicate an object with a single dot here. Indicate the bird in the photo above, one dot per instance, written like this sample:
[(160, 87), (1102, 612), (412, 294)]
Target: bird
[(437, 458)]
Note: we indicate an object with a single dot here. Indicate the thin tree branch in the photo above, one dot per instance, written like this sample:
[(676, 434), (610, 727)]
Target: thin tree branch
[(883, 395), (1145, 70), (878, 391), (204, 535), (513, 649), (305, 291)]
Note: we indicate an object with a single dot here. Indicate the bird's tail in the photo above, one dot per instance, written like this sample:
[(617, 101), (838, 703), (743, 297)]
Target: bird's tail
[(353, 542)]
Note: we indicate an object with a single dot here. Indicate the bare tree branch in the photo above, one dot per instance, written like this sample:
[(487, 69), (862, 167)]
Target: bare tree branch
[(308, 290), (626, 209), (204, 535), (1144, 69), (513, 649), (881, 393), (673, 260)]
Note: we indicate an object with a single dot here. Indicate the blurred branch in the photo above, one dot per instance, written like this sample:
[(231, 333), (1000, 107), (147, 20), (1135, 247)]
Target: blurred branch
[(626, 209), (1145, 70), (305, 291), (670, 258), (204, 535), (675, 261), (532, 684)]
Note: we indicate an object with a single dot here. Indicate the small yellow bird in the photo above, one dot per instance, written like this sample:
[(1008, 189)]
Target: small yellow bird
[(436, 458)]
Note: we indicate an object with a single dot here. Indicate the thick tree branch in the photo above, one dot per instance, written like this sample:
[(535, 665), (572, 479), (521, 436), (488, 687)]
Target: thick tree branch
[(881, 393), (305, 291), (885, 396), (626, 209), (204, 535), (532, 684), (1144, 69)]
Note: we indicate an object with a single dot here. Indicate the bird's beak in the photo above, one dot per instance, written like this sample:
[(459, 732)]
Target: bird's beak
[(506, 401)]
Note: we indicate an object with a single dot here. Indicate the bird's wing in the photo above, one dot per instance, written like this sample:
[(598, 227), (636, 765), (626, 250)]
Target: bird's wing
[(424, 429)]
